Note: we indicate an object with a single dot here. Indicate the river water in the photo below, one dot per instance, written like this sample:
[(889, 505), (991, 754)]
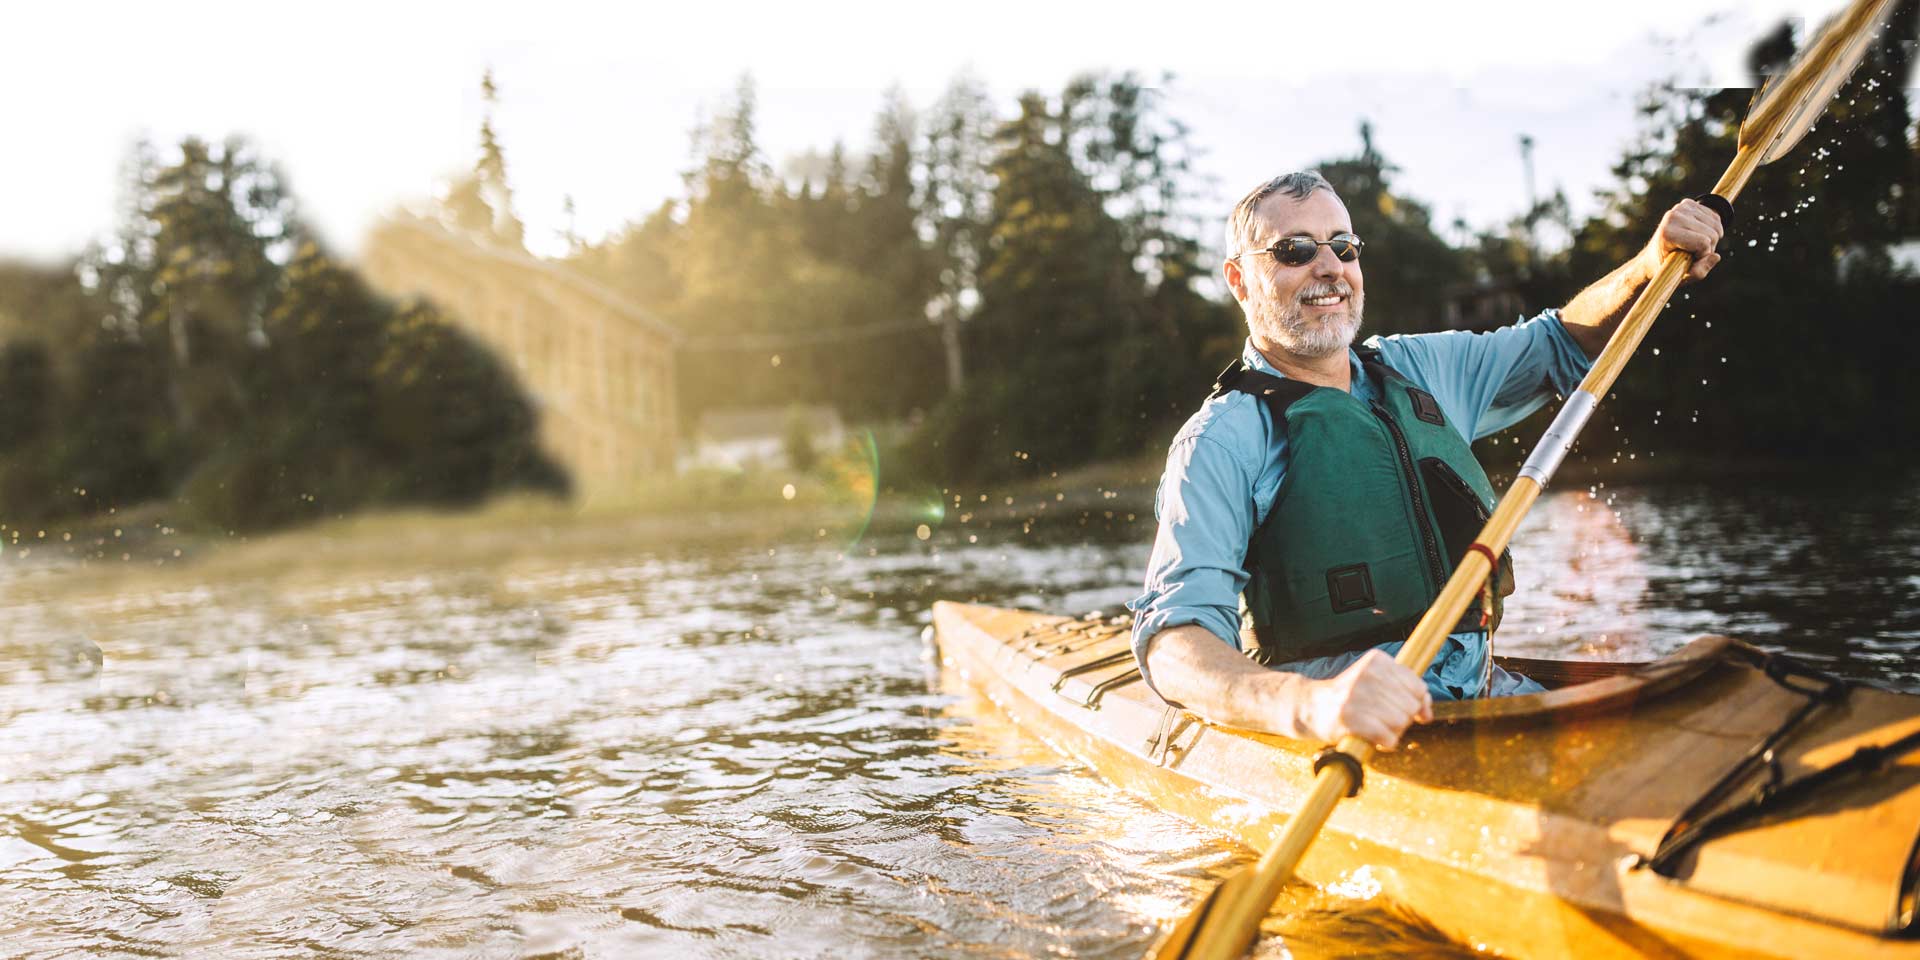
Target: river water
[(552, 738)]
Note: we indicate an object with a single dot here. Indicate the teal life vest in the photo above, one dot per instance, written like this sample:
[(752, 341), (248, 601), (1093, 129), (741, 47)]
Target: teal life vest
[(1379, 503)]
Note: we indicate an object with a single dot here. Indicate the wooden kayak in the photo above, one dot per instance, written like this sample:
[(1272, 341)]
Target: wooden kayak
[(1788, 802)]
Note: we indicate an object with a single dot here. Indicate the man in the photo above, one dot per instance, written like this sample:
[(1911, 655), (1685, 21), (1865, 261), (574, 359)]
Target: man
[(1334, 486)]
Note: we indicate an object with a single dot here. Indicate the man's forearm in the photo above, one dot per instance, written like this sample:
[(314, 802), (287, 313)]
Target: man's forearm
[(1688, 228), (1592, 315), (1193, 667)]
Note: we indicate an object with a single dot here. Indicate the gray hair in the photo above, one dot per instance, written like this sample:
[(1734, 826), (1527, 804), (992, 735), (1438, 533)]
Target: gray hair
[(1298, 186)]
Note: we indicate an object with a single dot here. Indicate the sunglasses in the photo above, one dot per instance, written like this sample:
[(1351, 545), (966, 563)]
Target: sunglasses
[(1300, 251)]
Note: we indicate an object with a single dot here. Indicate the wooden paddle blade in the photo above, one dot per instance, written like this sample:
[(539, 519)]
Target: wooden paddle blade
[(1177, 942), (1787, 105)]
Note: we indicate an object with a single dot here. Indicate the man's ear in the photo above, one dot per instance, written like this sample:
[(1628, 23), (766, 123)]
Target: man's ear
[(1236, 279)]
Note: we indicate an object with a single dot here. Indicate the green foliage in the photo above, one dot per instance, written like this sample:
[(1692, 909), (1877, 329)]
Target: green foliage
[(810, 292), (25, 383), (116, 445), (218, 356), (1089, 333)]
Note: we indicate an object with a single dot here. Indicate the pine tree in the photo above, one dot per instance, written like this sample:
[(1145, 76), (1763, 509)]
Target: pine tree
[(480, 204)]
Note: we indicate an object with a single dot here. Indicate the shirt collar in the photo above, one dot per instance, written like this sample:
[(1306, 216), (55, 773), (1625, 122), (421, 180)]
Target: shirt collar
[(1253, 359)]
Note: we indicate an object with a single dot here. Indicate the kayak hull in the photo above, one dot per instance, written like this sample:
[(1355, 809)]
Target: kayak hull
[(1518, 826)]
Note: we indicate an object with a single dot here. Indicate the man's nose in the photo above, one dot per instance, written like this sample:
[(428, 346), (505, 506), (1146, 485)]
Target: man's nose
[(1325, 264)]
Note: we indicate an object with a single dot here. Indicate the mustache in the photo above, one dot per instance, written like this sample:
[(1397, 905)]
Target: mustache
[(1336, 288)]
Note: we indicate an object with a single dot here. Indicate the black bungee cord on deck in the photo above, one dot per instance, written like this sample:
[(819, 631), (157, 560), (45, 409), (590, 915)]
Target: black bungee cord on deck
[(1696, 826)]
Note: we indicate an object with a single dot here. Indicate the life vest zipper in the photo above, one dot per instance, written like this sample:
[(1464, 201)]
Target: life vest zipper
[(1428, 538)]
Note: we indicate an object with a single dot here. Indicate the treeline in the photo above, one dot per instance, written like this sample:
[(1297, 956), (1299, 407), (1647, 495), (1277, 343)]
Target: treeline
[(1023, 289), (212, 354), (1030, 289)]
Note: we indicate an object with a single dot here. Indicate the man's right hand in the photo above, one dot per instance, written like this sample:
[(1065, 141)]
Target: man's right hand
[(1375, 698)]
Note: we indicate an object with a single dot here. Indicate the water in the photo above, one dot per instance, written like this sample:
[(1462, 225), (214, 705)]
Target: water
[(485, 739)]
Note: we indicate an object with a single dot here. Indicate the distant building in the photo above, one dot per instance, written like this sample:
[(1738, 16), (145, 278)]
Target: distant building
[(748, 438), (600, 370)]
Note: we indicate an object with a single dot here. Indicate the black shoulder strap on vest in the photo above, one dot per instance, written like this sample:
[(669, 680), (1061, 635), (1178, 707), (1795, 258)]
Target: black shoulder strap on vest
[(1370, 362), (1278, 391), (1424, 405)]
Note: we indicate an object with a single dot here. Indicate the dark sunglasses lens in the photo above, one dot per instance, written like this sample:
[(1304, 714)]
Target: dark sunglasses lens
[(1346, 248), (1295, 251)]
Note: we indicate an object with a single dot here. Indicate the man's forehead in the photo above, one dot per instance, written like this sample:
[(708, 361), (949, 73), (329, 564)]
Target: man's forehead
[(1318, 214)]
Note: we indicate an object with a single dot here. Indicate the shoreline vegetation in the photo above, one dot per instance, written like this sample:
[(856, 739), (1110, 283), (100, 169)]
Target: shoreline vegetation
[(748, 507)]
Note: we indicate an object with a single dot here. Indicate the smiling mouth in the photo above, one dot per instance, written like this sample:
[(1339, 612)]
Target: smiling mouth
[(1326, 301)]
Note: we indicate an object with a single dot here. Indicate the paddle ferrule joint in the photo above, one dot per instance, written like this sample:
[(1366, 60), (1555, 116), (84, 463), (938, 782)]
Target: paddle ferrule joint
[(1335, 755), (1554, 444)]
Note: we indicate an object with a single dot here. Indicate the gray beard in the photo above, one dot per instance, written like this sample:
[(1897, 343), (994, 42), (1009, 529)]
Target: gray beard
[(1290, 328)]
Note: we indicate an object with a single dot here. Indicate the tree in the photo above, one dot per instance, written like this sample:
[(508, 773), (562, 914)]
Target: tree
[(480, 204), (824, 283), (1407, 297), (1090, 333), (217, 355), (450, 417), (954, 203)]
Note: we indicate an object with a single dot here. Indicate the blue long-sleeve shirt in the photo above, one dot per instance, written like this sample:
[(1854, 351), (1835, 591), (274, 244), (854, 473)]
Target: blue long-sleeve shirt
[(1225, 466)]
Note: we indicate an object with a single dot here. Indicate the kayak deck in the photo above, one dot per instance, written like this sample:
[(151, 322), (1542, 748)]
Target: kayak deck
[(1523, 824)]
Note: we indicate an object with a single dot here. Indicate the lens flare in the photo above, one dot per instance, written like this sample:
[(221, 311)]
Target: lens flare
[(855, 478)]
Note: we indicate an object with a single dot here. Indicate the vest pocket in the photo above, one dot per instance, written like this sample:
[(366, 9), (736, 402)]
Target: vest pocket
[(1460, 514)]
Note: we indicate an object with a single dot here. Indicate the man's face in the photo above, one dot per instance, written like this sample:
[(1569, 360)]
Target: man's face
[(1309, 311)]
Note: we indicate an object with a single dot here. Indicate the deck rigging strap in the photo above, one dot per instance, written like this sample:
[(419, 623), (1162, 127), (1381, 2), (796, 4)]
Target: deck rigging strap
[(1776, 792), (1098, 663), (1697, 823)]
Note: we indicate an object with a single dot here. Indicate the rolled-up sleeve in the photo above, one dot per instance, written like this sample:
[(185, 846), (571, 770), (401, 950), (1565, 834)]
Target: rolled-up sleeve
[(1487, 382), (1198, 567)]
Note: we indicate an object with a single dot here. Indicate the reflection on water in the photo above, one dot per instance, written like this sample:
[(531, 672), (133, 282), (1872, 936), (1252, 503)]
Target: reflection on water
[(570, 744)]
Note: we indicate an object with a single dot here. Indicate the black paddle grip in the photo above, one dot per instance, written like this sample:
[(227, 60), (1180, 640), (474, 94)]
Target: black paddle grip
[(1718, 204), (1354, 771)]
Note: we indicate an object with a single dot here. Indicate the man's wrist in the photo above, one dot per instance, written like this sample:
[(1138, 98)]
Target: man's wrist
[(1288, 698)]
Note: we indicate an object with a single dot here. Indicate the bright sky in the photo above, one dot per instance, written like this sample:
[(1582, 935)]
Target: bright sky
[(368, 104)]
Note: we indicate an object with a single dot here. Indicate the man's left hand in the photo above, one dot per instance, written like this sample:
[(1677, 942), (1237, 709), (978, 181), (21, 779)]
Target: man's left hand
[(1690, 228)]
